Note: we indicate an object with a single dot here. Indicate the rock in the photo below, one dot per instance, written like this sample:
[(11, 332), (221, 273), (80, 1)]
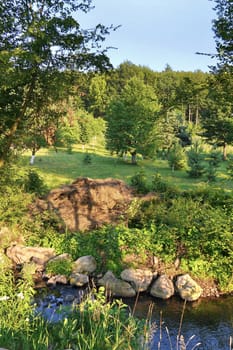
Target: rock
[(139, 278), (84, 264), (57, 279), (78, 279), (64, 256), (187, 288), (116, 287), (162, 288), (88, 203), (21, 254)]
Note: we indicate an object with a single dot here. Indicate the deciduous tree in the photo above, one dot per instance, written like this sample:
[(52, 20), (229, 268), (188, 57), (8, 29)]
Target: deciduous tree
[(41, 42)]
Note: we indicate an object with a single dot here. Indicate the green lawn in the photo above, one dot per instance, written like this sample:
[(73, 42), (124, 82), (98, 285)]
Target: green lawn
[(57, 168)]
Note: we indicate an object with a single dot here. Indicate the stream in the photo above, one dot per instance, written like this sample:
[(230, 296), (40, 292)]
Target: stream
[(207, 322)]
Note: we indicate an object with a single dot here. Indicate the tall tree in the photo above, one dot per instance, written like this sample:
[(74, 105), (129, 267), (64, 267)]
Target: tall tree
[(223, 30), (131, 118), (40, 43), (217, 121)]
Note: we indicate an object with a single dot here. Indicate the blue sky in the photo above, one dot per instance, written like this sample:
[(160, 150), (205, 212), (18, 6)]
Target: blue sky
[(154, 33)]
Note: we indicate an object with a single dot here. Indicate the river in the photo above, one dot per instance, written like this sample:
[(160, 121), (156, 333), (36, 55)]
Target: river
[(208, 322)]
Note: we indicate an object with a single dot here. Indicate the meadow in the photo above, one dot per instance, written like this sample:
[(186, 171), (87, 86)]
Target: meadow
[(62, 167)]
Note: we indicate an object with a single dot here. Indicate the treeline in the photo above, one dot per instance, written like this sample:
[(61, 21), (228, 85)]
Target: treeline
[(148, 112)]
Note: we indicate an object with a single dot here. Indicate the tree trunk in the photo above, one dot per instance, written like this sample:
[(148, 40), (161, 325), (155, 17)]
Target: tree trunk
[(134, 157), (224, 151)]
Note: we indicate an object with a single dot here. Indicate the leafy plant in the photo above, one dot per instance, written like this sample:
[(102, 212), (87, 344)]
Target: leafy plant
[(176, 157), (59, 267), (33, 183), (195, 162), (139, 182)]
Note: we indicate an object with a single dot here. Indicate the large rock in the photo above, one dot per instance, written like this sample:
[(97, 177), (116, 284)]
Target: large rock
[(187, 288), (84, 264), (21, 254), (116, 287), (162, 288), (139, 278), (79, 279), (87, 203)]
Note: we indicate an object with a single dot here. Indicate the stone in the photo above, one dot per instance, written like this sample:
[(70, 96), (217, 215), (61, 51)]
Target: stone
[(57, 279), (187, 288), (139, 278), (84, 264), (79, 279), (162, 288), (116, 287), (20, 254), (88, 203)]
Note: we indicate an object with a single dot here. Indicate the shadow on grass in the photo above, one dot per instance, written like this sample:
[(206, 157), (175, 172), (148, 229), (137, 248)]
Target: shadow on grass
[(57, 168)]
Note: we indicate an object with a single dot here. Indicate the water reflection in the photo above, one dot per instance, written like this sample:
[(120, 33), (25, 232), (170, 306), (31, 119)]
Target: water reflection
[(211, 321)]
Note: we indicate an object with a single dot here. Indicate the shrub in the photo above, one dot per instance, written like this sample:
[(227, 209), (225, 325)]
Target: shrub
[(59, 267), (87, 159), (139, 182), (195, 162), (176, 157), (33, 183)]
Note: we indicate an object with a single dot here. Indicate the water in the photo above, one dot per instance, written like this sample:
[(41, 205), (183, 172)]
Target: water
[(207, 321)]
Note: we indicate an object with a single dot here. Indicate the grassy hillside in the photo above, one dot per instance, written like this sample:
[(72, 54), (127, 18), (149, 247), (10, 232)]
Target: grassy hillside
[(61, 167)]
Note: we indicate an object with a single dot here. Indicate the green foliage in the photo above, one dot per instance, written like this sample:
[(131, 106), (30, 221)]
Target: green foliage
[(93, 324), (87, 159), (59, 267), (131, 118), (176, 157), (230, 167), (195, 162), (139, 182), (33, 183), (158, 185), (35, 72)]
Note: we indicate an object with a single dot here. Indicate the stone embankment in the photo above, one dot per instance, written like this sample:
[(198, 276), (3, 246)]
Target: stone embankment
[(83, 270)]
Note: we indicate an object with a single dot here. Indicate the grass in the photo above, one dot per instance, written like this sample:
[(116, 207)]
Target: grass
[(58, 168)]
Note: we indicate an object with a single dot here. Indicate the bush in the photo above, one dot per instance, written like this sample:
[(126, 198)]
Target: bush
[(176, 157), (87, 159), (33, 183), (195, 162), (139, 182), (59, 267)]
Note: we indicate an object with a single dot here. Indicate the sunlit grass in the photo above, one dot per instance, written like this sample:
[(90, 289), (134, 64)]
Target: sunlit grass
[(58, 168)]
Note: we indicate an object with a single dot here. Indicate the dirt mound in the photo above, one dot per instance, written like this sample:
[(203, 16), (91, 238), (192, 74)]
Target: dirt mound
[(87, 203)]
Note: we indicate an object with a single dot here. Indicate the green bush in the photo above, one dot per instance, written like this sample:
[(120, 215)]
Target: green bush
[(195, 162), (139, 182), (59, 267), (33, 183), (176, 157)]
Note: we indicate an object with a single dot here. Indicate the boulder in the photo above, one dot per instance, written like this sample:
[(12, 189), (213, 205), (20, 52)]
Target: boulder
[(139, 278), (187, 288), (88, 203), (79, 279), (57, 279), (116, 287), (84, 264), (162, 287), (20, 254)]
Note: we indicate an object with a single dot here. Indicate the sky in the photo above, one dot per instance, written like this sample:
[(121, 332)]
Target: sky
[(155, 33)]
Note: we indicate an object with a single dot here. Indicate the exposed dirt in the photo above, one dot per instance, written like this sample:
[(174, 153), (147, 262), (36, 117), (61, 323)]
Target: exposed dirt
[(87, 203)]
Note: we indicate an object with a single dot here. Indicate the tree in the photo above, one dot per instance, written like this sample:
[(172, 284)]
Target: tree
[(218, 122), (131, 118), (41, 42), (223, 30)]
